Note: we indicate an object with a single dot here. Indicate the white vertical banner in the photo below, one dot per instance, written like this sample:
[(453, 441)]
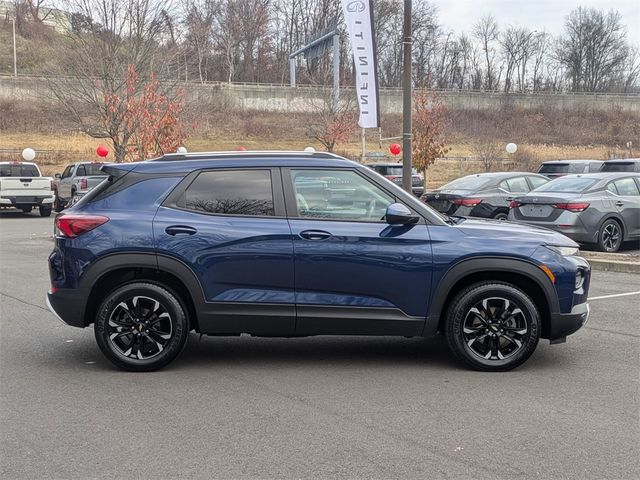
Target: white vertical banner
[(358, 15)]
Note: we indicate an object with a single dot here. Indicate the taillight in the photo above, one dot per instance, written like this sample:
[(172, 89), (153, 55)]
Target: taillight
[(72, 226), (83, 183), (572, 207), (514, 204), (466, 202)]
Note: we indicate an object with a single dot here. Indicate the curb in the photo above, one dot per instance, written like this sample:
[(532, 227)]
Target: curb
[(614, 266)]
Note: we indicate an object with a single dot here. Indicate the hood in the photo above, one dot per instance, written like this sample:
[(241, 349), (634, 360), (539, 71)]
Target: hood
[(521, 232)]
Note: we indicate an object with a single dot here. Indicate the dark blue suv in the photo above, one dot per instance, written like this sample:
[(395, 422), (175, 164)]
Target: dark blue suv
[(296, 244)]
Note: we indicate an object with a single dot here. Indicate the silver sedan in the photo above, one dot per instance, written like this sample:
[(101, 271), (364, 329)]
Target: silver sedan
[(597, 208)]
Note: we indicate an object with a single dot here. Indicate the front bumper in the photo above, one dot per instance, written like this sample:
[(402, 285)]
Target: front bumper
[(563, 324)]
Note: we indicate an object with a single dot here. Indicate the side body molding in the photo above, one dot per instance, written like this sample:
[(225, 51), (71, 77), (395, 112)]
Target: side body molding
[(485, 264)]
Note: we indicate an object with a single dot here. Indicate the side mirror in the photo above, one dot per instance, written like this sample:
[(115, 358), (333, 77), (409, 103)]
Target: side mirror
[(58, 176), (399, 214)]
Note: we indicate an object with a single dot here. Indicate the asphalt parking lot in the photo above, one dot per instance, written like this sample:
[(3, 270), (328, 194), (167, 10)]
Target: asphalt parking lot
[(309, 408)]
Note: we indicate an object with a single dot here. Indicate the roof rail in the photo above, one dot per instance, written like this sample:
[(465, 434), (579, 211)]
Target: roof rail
[(170, 157)]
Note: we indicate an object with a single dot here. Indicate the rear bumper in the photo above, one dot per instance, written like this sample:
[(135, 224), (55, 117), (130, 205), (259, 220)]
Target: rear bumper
[(33, 200), (67, 306), (563, 324)]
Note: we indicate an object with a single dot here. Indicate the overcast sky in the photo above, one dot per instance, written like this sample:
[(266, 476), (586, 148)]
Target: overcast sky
[(538, 15)]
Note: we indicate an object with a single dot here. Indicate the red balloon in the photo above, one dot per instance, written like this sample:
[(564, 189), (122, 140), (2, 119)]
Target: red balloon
[(241, 149), (395, 149), (102, 151)]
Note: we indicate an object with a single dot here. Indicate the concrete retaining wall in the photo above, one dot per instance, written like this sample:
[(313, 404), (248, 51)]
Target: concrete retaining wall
[(283, 98)]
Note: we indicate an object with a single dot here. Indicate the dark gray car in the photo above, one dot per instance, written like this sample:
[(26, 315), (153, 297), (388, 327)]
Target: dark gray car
[(560, 168), (485, 195), (596, 208)]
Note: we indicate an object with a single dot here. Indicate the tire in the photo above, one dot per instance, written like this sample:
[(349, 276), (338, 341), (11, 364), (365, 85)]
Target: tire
[(501, 216), (26, 209), (58, 204), (45, 210), (125, 341), (499, 346), (610, 236)]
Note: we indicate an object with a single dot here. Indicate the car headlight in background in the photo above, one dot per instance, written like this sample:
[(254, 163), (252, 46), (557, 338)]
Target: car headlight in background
[(564, 251)]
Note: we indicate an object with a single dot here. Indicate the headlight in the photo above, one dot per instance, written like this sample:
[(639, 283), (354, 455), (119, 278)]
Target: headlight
[(564, 251)]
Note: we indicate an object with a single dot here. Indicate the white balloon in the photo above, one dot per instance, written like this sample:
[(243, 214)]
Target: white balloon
[(310, 150), (28, 154), (181, 150), (512, 148)]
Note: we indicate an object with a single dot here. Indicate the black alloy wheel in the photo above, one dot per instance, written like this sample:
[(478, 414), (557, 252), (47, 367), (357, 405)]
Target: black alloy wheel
[(492, 326), (141, 327)]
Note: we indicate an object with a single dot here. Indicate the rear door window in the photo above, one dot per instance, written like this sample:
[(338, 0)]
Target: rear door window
[(518, 185), (231, 192), (627, 187)]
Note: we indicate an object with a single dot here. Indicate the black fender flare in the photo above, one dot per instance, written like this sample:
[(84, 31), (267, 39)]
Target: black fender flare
[(159, 263), (486, 264)]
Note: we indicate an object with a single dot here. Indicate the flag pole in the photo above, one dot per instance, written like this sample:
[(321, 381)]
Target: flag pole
[(406, 99)]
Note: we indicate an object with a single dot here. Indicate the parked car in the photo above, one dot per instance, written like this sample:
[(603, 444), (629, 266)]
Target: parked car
[(485, 195), (297, 244), (559, 168), (22, 186), (75, 181), (595, 208), (622, 165), (393, 171)]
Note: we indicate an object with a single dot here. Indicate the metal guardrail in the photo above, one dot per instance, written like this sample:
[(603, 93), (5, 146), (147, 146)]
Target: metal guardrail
[(216, 83)]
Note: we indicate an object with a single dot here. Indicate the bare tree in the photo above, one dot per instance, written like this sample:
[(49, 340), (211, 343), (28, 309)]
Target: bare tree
[(122, 37), (332, 122), (487, 33), (593, 48)]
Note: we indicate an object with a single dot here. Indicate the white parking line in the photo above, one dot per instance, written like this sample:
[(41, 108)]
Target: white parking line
[(614, 295)]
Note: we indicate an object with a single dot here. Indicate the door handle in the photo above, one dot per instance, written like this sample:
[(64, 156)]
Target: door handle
[(619, 203), (314, 234), (180, 230)]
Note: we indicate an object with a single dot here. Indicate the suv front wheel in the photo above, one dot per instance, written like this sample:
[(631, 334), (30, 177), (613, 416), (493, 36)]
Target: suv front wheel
[(141, 327), (492, 326)]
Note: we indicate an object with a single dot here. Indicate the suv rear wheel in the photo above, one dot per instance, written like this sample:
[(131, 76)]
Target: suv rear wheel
[(141, 327), (492, 326)]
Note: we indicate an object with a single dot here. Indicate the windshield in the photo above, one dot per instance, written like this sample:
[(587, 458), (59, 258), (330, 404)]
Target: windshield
[(567, 185), (554, 168), (18, 170), (472, 182), (617, 167)]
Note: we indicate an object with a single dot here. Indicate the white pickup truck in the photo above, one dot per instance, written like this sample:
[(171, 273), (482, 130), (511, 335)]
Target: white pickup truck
[(22, 186)]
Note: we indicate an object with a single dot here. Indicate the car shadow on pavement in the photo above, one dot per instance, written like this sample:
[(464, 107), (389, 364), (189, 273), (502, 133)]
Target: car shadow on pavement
[(316, 350)]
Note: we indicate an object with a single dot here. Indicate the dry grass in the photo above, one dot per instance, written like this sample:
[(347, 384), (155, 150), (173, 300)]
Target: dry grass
[(76, 147)]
